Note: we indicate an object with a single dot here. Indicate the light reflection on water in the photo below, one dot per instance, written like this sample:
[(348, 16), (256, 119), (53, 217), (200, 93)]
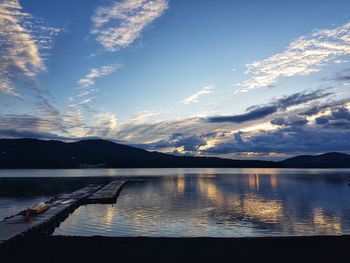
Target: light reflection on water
[(255, 204)]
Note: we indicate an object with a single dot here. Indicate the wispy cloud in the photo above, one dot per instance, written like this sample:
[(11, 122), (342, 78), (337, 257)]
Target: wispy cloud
[(104, 125), (20, 43), (80, 106), (305, 55), (82, 116), (95, 73), (143, 116), (118, 25), (195, 97)]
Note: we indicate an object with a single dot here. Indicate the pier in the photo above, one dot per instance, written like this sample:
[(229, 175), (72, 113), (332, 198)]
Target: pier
[(107, 194), (14, 229)]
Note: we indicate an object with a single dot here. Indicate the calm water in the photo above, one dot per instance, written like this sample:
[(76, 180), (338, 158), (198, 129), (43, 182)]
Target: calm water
[(222, 203), (162, 172)]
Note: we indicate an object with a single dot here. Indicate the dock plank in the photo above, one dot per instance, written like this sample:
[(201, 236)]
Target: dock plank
[(81, 193)]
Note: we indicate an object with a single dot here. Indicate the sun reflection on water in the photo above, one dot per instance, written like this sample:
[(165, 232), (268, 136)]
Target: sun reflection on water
[(268, 211), (326, 224)]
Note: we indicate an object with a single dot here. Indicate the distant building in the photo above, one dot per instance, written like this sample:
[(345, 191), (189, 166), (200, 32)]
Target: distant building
[(98, 165)]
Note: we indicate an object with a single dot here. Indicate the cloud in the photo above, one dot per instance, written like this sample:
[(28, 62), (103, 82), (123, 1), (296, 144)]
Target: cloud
[(21, 38), (321, 120), (254, 114), (317, 108), (49, 112), (339, 117), (144, 116), (343, 76), (287, 141), (150, 132), (103, 125), (341, 113), (239, 139), (88, 120), (25, 133), (27, 121), (195, 97), (305, 55), (177, 143), (95, 73), (118, 25), (290, 121), (292, 134), (259, 112)]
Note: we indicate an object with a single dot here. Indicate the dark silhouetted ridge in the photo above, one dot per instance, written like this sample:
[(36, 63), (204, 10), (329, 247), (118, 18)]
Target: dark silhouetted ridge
[(327, 160), (33, 153)]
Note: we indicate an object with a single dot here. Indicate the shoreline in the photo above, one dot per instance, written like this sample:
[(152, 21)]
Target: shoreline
[(161, 249)]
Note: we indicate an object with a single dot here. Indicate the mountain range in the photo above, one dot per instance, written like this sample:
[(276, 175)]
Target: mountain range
[(34, 153)]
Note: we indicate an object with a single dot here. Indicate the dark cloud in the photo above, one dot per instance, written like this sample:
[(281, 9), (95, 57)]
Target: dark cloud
[(341, 113), (321, 120), (254, 114), (258, 112), (321, 107), (190, 143), (278, 121), (213, 134), (290, 121), (301, 97), (315, 109), (339, 118)]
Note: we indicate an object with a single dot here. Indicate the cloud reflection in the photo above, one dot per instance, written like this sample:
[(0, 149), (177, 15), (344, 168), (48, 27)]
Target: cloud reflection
[(258, 203)]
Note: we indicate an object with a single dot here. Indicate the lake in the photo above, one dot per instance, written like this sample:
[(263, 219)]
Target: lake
[(211, 202)]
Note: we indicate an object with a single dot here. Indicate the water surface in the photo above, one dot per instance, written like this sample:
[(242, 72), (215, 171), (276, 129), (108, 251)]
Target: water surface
[(234, 203), (132, 172)]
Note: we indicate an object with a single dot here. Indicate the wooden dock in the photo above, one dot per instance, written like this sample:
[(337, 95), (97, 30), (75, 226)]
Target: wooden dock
[(108, 194), (14, 229)]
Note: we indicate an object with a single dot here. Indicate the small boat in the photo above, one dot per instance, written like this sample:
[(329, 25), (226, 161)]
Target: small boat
[(38, 208)]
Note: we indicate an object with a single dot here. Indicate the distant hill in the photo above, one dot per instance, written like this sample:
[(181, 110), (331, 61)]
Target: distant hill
[(33, 153), (327, 160)]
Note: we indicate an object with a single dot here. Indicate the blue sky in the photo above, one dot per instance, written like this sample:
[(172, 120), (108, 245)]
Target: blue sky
[(236, 79)]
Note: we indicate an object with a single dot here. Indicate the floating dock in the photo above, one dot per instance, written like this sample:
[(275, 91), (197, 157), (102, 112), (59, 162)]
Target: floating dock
[(14, 229), (107, 194)]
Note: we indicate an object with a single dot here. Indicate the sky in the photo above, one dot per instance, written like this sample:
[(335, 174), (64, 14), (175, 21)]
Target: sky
[(234, 79)]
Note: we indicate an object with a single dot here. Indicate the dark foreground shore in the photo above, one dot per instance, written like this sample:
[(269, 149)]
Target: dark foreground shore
[(112, 249)]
